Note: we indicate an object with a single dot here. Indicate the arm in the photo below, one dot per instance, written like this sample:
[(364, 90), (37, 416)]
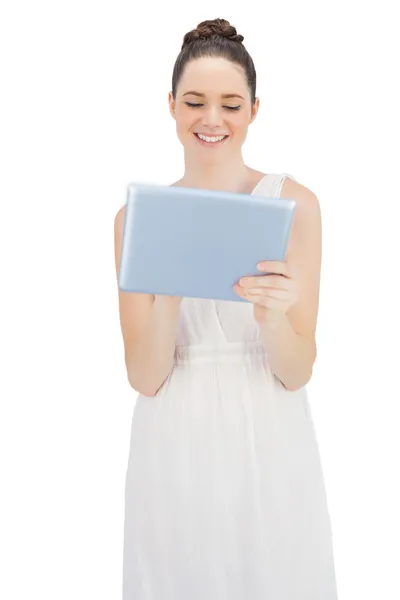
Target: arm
[(150, 358), (148, 325), (290, 339), (290, 354)]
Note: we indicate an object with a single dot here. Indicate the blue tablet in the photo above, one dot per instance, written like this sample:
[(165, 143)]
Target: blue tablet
[(198, 243)]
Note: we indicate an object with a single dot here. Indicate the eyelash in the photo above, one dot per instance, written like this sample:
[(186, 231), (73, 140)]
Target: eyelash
[(197, 105)]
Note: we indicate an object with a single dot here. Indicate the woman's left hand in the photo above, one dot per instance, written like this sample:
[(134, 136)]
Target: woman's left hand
[(272, 294)]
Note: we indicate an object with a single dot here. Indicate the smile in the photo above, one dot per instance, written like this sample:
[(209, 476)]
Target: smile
[(211, 140)]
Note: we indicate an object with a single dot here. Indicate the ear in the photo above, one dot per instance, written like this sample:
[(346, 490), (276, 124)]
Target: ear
[(171, 103), (254, 109)]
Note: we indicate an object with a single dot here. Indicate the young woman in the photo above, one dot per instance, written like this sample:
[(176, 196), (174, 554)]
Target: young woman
[(225, 497)]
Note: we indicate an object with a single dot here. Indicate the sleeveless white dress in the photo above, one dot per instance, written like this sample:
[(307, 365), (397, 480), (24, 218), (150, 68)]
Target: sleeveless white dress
[(225, 497)]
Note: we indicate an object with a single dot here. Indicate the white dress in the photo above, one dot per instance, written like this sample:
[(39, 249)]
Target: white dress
[(225, 497)]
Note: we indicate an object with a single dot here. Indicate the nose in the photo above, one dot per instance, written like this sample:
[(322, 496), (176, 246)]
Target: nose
[(212, 116)]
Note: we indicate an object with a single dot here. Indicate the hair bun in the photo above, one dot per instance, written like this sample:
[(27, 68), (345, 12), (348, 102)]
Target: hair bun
[(219, 27)]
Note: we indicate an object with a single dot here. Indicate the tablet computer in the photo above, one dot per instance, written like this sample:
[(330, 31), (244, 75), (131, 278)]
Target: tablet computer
[(198, 243)]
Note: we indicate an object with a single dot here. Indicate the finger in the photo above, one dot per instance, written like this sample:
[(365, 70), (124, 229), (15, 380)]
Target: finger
[(270, 281), (267, 293), (274, 266)]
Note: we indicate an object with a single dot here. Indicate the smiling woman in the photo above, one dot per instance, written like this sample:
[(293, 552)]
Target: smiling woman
[(225, 496), (213, 100)]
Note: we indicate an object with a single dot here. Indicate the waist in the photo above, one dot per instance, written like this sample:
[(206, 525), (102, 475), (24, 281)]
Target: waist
[(230, 352)]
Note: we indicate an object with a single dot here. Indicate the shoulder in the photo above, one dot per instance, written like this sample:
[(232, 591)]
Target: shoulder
[(308, 211), (306, 199), (306, 232), (119, 218)]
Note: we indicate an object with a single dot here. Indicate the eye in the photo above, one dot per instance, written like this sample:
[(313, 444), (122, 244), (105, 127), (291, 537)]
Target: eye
[(191, 104)]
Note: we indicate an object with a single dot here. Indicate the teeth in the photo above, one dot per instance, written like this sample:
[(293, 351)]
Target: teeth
[(211, 139)]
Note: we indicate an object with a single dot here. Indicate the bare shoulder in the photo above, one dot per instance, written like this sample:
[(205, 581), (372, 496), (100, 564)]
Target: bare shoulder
[(176, 184), (119, 218), (307, 215), (299, 192)]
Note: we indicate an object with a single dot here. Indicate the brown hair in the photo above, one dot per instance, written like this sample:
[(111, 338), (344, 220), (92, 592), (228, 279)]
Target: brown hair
[(215, 38)]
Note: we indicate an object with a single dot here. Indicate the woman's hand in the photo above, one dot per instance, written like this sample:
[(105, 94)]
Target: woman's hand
[(272, 294)]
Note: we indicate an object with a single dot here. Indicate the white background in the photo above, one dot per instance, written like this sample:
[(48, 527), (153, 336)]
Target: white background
[(83, 113)]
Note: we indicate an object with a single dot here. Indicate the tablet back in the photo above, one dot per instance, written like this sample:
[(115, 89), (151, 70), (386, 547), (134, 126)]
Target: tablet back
[(198, 243)]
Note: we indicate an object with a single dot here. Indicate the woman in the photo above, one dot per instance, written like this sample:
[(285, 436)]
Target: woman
[(225, 497)]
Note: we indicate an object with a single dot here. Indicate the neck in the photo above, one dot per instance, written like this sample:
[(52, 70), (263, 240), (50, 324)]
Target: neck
[(231, 176)]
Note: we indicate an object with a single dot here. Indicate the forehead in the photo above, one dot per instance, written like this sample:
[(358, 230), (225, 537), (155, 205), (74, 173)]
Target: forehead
[(213, 76)]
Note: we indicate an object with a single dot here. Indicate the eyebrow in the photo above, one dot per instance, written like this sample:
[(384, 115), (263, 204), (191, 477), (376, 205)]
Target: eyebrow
[(222, 95)]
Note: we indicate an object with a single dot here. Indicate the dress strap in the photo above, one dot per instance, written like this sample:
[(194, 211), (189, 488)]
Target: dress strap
[(271, 185), (280, 179)]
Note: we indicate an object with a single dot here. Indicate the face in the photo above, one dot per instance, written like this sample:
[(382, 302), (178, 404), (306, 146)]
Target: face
[(212, 99)]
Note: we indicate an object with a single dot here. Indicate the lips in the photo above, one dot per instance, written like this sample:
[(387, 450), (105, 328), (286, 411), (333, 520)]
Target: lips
[(210, 144), (210, 135)]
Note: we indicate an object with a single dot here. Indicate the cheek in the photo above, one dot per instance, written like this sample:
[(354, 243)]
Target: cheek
[(183, 121), (240, 121)]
